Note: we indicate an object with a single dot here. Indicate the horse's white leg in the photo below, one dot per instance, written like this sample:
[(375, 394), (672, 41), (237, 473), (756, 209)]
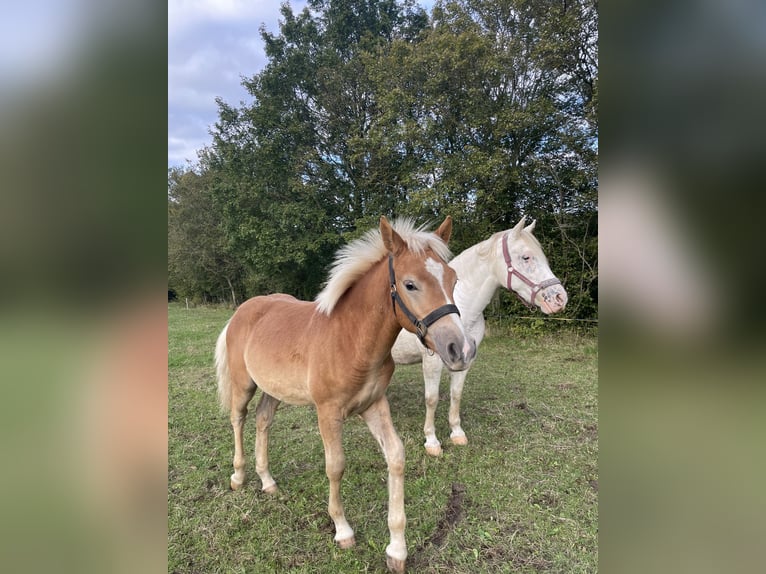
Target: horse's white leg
[(240, 397), (457, 436), (432, 372), (264, 416), (378, 418), (331, 429)]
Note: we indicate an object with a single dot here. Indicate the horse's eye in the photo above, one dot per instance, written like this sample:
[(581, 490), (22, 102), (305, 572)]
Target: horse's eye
[(410, 286), (525, 257)]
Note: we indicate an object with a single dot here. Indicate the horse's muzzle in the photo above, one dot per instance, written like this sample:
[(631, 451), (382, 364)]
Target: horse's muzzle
[(552, 299)]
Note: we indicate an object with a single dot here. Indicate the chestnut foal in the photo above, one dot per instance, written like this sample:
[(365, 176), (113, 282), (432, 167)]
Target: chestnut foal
[(335, 353)]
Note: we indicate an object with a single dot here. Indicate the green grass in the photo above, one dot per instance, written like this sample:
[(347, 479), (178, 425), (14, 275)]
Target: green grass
[(521, 497)]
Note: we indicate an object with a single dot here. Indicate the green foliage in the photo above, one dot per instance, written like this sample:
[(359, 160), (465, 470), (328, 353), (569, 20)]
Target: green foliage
[(484, 111), (200, 265)]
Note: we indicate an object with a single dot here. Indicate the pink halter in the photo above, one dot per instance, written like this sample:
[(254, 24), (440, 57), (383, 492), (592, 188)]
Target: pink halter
[(536, 287)]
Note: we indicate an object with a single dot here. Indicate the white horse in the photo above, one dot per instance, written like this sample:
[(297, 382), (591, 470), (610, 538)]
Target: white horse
[(512, 259)]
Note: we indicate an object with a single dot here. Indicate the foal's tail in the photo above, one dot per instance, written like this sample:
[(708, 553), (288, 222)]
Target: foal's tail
[(222, 371)]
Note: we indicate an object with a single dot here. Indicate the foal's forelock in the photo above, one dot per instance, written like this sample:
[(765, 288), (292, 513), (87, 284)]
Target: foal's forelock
[(358, 257)]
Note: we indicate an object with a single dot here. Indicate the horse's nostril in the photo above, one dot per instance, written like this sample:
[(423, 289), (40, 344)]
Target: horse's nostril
[(454, 353)]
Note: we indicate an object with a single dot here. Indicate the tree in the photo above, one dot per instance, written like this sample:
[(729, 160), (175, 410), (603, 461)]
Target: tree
[(485, 112), (296, 168), (199, 265)]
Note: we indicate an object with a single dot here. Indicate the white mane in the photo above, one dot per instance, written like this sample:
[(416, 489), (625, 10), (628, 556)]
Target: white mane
[(355, 259)]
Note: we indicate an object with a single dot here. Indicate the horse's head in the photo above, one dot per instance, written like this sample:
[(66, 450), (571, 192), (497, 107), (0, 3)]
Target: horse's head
[(421, 292), (521, 263)]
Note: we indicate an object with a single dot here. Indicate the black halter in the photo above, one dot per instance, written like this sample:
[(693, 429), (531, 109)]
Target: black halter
[(421, 327)]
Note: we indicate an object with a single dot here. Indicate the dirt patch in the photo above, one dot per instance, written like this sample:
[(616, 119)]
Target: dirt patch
[(453, 512)]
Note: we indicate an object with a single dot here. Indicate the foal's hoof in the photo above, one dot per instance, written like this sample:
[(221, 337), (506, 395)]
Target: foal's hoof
[(459, 440), (347, 543), (236, 484), (271, 489), (395, 565), (434, 450)]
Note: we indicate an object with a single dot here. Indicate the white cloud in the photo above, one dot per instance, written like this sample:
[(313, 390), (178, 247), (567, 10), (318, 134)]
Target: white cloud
[(212, 44), (185, 14)]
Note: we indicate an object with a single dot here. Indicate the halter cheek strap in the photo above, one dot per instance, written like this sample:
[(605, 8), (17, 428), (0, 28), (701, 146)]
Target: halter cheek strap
[(421, 326), (536, 287)]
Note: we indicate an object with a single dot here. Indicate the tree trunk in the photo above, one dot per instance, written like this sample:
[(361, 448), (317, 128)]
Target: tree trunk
[(233, 295)]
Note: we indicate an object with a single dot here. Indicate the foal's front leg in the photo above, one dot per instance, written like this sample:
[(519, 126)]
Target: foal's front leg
[(378, 419), (331, 429)]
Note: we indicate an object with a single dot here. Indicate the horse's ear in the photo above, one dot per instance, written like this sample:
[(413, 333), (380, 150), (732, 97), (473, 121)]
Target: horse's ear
[(531, 226), (445, 229), (392, 241), (515, 231)]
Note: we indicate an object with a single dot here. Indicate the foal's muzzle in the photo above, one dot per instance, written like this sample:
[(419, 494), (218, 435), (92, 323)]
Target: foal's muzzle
[(456, 350)]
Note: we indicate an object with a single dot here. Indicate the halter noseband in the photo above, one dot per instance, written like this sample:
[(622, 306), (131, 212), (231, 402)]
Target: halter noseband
[(421, 327), (536, 287)]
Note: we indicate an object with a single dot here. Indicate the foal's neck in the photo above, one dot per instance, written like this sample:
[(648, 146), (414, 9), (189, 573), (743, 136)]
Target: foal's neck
[(368, 303)]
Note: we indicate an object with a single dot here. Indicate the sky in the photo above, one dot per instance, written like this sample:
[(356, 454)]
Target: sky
[(212, 44)]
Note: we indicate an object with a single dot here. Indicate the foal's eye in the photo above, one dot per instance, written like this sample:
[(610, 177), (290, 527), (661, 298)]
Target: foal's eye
[(525, 257), (410, 286)]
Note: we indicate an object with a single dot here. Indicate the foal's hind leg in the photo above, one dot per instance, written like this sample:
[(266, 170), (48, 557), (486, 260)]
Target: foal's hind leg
[(264, 416), (240, 397)]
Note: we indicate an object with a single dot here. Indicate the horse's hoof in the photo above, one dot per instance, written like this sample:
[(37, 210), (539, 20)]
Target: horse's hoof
[(434, 450), (347, 543), (271, 489), (236, 484), (395, 565), (459, 440)]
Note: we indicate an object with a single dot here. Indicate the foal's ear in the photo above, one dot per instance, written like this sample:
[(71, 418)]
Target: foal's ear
[(391, 239), (531, 226), (445, 229)]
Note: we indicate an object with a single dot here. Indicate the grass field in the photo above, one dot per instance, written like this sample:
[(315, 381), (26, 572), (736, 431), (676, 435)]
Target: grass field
[(521, 497)]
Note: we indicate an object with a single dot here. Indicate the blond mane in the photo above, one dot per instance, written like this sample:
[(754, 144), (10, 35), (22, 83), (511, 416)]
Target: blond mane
[(355, 259)]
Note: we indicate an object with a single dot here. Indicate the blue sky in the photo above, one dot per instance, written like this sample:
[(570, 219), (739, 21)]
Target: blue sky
[(212, 44)]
